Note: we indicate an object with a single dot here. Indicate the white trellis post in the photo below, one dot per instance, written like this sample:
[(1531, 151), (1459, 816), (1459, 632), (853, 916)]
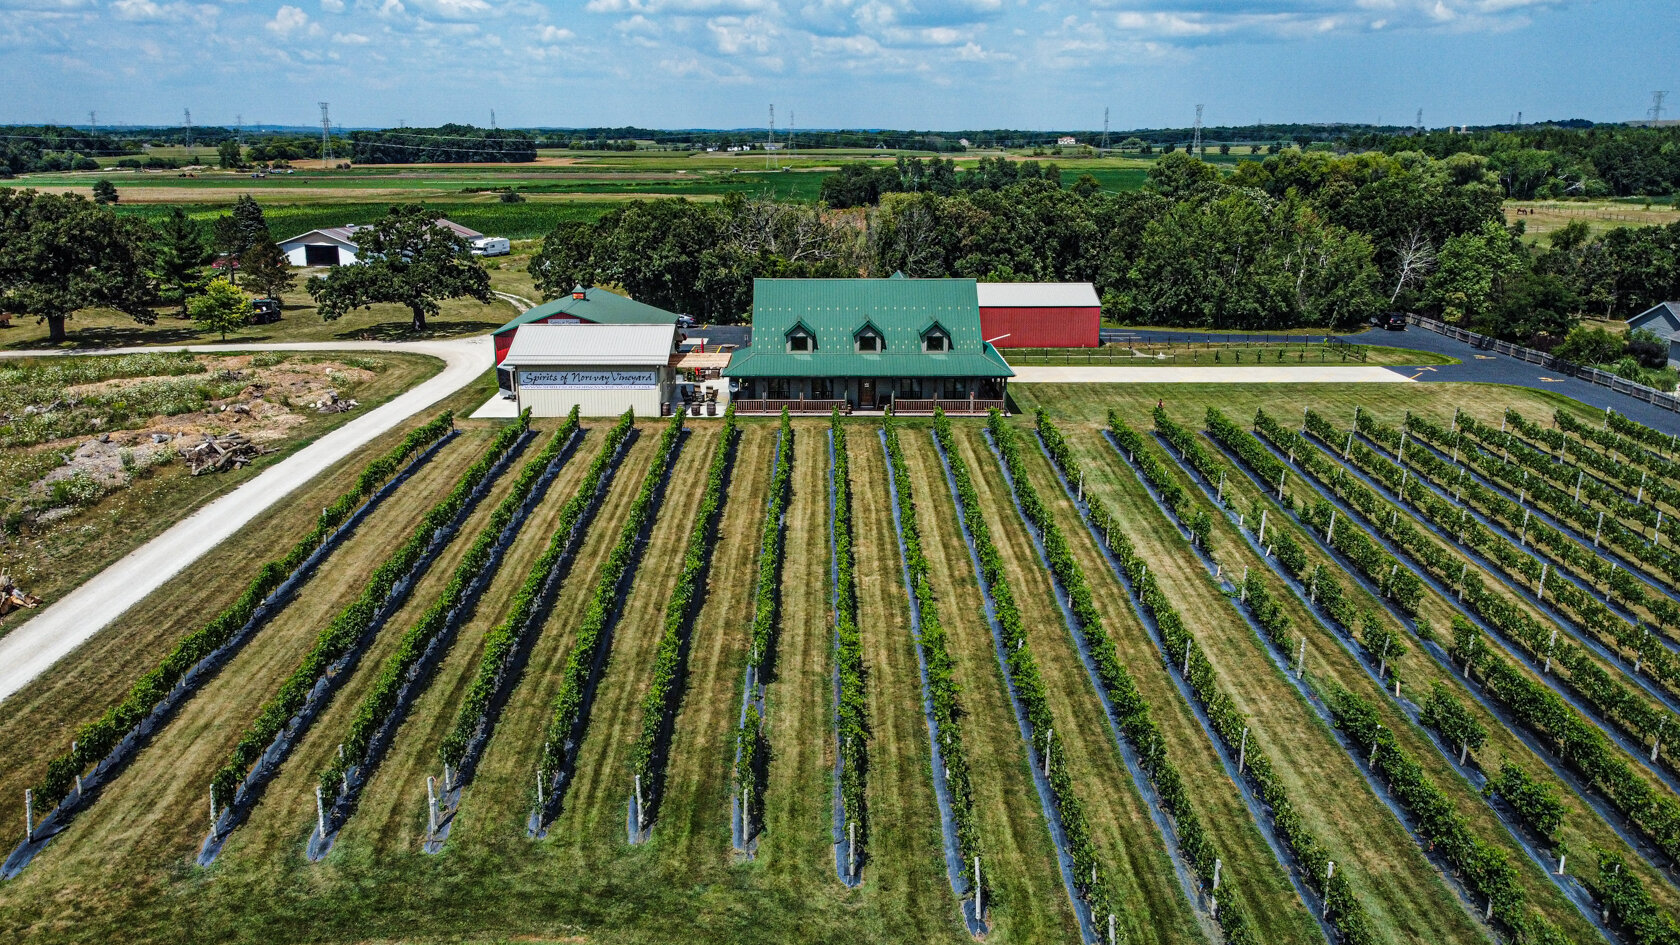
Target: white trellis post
[(29, 814), (1330, 530), (851, 849), (1242, 752), (320, 813), (1245, 584), (1049, 736), (1111, 929), (1599, 528), (641, 813), (1262, 537), (539, 790), (1221, 496), (431, 805), (1217, 863), (1348, 448), (212, 807), (1562, 859), (1550, 645), (1329, 873), (1187, 659), (979, 894), (1301, 658), (1540, 588)]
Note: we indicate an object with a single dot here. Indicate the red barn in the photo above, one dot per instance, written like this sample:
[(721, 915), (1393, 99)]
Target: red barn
[(1039, 314)]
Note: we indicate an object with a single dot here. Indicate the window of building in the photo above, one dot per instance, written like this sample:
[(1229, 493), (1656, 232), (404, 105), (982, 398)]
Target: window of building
[(822, 388), (799, 342), (868, 340), (778, 388), (936, 341)]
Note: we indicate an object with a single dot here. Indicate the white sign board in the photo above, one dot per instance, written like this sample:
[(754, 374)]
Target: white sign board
[(587, 380)]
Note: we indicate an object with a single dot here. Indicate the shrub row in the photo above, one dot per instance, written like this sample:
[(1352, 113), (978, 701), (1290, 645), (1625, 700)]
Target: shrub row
[(1613, 699), (1616, 506), (96, 739), (1628, 904), (1374, 561), (852, 728), (1228, 722), (1624, 436), (1587, 612), (659, 703), (503, 640), (941, 669), (1578, 743), (1362, 625), (567, 719), (1484, 868), (345, 632), (1613, 468), (1092, 882), (1564, 550), (1536, 802), (381, 701), (751, 758), (771, 542)]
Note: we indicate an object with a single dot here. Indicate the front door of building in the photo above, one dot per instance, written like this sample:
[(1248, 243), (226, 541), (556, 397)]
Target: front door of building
[(866, 393)]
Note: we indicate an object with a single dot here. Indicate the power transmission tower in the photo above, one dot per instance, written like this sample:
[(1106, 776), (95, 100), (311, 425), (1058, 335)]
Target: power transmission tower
[(793, 122), (186, 113), (1420, 121), (1519, 118), (93, 125), (770, 136), (1657, 106), (1196, 143), (239, 137), (326, 136), (492, 119), (1105, 128)]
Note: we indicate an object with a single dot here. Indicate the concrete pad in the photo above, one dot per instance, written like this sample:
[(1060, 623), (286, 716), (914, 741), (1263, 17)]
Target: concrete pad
[(497, 408), (1235, 374)]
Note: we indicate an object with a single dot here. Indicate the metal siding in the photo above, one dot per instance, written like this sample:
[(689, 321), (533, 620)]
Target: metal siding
[(1041, 327), (597, 403)]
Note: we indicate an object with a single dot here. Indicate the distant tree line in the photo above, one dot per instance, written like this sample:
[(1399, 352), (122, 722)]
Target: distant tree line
[(861, 185), (446, 144), (27, 149), (1550, 161)]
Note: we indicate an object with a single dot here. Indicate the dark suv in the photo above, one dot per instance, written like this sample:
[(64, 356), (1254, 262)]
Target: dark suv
[(1393, 321)]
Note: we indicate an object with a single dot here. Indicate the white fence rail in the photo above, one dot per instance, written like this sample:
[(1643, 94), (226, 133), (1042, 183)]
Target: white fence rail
[(1591, 375)]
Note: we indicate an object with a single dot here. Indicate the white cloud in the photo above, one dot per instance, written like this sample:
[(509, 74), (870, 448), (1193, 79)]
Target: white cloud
[(350, 39), (289, 19), (332, 6), (556, 34)]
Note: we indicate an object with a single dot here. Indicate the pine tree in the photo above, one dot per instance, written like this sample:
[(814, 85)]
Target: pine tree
[(104, 192), (179, 256), (266, 270), (244, 228)]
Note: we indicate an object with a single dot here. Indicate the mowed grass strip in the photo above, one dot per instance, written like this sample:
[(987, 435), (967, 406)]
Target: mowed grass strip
[(1406, 898), (281, 821), (796, 845), (38, 722), (1330, 662), (600, 785), (1028, 900), (1252, 874), (906, 862), (391, 815), (1120, 823), (495, 805), (693, 825), (156, 814)]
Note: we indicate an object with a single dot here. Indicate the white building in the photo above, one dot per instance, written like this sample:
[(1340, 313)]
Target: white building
[(602, 369), (1066, 141), (336, 245)]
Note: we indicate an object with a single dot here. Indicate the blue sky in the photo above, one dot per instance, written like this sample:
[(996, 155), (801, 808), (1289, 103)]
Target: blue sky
[(944, 64)]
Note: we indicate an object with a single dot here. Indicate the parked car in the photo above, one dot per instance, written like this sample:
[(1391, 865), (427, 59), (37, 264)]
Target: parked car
[(685, 321), (1393, 321), (265, 311)]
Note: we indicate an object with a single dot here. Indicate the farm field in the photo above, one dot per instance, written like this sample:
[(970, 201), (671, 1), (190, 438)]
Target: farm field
[(1209, 353), (125, 868)]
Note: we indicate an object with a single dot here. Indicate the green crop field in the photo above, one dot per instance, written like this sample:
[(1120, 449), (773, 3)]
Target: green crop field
[(1154, 617)]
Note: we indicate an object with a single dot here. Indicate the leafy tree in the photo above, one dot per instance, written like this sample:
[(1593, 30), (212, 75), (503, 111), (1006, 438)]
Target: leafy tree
[(179, 256), (1086, 185), (404, 259), (62, 253), (1590, 346), (228, 156), (266, 270), (1471, 270), (244, 228), (1536, 309), (222, 308), (104, 192), (1182, 177)]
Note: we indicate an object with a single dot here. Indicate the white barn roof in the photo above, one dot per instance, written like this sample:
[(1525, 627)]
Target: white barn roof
[(1038, 295), (548, 345), (344, 235)]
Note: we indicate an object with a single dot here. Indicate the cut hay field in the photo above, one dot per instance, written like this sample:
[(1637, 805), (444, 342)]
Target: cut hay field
[(1159, 788)]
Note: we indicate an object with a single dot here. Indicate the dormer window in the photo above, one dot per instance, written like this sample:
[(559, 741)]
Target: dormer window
[(868, 339), (800, 340), (935, 339)]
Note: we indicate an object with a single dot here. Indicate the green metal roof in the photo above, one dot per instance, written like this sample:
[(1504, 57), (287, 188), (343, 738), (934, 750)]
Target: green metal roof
[(598, 306), (834, 309)]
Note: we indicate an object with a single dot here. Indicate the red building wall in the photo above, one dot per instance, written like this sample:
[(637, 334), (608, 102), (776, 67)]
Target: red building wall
[(1041, 327)]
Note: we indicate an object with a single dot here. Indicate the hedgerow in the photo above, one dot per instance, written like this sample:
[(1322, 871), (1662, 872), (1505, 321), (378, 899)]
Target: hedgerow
[(852, 729), (345, 632), (1343, 908), (502, 642), (941, 669), (659, 703), (568, 717), (1028, 684), (381, 703), (96, 739)]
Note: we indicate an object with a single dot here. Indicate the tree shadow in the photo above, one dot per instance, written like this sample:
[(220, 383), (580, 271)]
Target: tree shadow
[(115, 336), (404, 330)]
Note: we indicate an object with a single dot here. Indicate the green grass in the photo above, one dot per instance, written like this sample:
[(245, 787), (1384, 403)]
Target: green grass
[(123, 871), (1223, 354)]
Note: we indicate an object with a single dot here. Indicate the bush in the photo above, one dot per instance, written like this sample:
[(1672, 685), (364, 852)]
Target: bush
[(1589, 346)]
